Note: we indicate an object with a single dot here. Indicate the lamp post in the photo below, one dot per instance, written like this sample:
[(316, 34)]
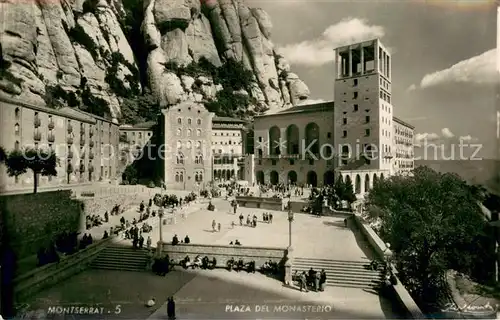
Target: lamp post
[(290, 220), (160, 216)]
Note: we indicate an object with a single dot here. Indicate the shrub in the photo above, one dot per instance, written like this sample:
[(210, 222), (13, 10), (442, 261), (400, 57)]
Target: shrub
[(151, 184), (93, 104), (78, 35)]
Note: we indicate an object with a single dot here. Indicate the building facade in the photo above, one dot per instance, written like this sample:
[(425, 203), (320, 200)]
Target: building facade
[(75, 136), (133, 139), (403, 146), (288, 146), (368, 142), (228, 149), (364, 128), (186, 155)]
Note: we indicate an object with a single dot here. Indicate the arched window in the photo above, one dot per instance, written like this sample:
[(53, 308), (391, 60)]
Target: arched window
[(179, 144), (189, 144), (198, 132), (17, 113), (200, 177), (180, 158), (196, 177), (16, 129), (200, 159), (181, 176), (179, 120), (179, 132), (198, 121), (198, 144), (189, 132), (16, 145), (189, 120), (177, 178)]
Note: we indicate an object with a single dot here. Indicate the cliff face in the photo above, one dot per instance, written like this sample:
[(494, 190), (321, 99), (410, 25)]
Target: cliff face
[(79, 47)]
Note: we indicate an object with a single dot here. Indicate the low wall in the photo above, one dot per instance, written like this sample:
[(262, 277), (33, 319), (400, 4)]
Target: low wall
[(400, 292), (224, 253), (40, 278), (261, 203)]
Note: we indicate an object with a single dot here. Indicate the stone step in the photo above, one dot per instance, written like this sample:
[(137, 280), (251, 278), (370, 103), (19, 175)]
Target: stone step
[(328, 261), (119, 255), (119, 268), (344, 274), (333, 265)]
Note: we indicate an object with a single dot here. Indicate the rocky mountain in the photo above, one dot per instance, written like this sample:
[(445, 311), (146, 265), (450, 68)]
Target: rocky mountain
[(102, 55)]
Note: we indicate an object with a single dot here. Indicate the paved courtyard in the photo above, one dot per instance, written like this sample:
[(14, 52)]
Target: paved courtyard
[(314, 237), (211, 294), (219, 294)]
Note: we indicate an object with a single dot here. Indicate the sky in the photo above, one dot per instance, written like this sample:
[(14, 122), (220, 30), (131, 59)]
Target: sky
[(443, 58)]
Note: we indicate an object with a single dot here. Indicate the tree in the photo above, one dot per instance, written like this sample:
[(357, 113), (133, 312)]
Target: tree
[(433, 223), (41, 162), (349, 194)]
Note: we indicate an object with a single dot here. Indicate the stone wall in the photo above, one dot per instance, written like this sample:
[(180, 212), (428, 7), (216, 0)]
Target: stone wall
[(49, 275), (224, 253), (400, 292), (32, 221), (261, 203)]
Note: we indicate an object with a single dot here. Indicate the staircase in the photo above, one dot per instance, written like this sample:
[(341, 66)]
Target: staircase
[(123, 258), (351, 274)]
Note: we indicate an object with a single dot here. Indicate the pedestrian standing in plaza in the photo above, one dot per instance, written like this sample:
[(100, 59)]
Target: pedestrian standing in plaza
[(148, 243), (214, 224), (171, 308), (317, 278), (303, 282), (218, 227), (270, 218)]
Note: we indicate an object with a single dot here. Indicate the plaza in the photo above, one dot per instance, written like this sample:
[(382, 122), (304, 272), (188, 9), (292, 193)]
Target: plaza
[(220, 293)]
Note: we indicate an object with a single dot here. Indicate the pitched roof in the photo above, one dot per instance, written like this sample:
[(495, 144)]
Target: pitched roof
[(227, 120), (77, 113), (403, 122), (303, 108)]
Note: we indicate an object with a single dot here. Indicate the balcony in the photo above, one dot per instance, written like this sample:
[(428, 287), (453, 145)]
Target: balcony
[(290, 156), (271, 156), (91, 144), (82, 130), (38, 122), (51, 125), (91, 168), (70, 154), (82, 167), (51, 137), (37, 136), (69, 140), (388, 155), (91, 133), (82, 140), (91, 155), (70, 129)]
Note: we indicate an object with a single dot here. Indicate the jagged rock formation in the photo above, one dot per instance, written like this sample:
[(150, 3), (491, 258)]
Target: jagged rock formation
[(79, 46)]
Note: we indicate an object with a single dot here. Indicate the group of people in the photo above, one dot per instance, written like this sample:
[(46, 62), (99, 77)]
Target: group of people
[(86, 241), (236, 243), (135, 234), (94, 220), (312, 279), (267, 217), (250, 222), (199, 262), (175, 240), (216, 227)]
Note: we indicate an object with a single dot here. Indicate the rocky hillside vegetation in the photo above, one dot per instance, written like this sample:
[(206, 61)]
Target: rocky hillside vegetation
[(127, 59)]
